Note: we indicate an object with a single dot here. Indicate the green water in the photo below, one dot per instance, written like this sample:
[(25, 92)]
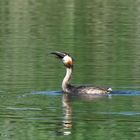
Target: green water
[(104, 39)]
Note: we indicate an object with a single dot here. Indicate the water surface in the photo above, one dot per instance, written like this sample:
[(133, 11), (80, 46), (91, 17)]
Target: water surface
[(102, 36)]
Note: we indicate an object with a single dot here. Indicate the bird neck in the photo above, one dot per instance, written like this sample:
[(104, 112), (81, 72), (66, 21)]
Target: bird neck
[(66, 79)]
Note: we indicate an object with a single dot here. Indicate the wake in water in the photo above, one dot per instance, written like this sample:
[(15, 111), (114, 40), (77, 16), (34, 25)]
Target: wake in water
[(115, 92), (126, 92)]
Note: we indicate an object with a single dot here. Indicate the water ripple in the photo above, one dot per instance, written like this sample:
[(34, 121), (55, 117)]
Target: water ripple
[(126, 92), (47, 92), (120, 113)]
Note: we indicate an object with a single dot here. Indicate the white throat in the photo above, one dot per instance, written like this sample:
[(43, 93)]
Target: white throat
[(66, 79)]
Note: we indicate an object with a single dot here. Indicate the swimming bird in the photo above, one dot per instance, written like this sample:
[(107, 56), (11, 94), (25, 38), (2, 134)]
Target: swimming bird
[(71, 89)]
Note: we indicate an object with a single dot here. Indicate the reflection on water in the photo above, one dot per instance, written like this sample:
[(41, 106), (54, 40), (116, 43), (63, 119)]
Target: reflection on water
[(67, 122), (49, 116), (104, 39)]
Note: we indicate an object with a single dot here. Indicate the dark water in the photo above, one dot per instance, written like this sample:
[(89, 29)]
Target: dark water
[(104, 39)]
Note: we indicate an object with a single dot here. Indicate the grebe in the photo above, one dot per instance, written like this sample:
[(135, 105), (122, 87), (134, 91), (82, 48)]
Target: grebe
[(67, 87)]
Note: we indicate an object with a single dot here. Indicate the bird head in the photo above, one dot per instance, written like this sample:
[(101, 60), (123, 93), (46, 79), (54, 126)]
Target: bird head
[(65, 57)]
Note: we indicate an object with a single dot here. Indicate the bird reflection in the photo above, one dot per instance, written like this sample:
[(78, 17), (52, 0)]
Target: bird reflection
[(67, 109)]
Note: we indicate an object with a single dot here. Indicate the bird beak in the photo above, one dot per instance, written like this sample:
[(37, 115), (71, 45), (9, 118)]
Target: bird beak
[(59, 55)]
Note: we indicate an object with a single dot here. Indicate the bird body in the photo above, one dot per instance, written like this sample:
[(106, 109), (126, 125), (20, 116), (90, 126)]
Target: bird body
[(68, 88)]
